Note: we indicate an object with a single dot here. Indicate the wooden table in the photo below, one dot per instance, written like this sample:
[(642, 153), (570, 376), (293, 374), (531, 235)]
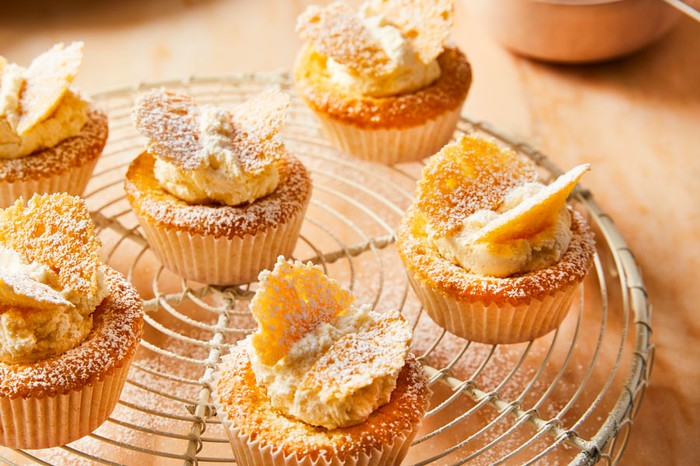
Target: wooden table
[(637, 121)]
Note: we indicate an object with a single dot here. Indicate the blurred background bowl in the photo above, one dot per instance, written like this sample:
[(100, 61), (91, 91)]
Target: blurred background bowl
[(575, 31)]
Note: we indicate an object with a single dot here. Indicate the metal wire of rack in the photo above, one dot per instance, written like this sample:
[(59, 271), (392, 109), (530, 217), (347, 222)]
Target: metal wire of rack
[(567, 398)]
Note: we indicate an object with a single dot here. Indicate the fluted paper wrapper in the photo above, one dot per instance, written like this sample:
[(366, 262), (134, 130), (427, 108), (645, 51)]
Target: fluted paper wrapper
[(31, 423), (72, 181), (495, 324), (395, 145), (250, 452), (222, 260)]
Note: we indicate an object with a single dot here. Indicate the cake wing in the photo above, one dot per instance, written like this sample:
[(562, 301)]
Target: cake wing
[(357, 359), (534, 215), (170, 122), (293, 299), (55, 231), (20, 291), (47, 80), (258, 121)]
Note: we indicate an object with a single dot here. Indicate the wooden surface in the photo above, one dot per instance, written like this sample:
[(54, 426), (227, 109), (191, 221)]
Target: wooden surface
[(637, 121)]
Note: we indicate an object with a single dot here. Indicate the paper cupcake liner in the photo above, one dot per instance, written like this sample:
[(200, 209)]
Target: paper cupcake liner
[(492, 323), (72, 181), (250, 451), (395, 145), (222, 260), (31, 423)]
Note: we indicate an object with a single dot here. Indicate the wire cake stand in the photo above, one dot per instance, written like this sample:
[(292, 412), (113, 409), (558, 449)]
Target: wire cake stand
[(566, 398)]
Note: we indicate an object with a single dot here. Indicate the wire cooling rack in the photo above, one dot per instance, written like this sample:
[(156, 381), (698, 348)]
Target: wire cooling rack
[(566, 398)]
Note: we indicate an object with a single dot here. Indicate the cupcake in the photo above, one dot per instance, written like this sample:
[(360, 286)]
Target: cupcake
[(321, 381), (69, 325), (50, 135), (216, 192), (384, 83), (493, 255)]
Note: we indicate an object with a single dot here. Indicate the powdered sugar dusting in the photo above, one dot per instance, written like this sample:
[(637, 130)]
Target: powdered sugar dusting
[(260, 120), (377, 351)]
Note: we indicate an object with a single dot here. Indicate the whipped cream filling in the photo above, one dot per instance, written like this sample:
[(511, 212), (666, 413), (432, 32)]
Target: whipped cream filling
[(517, 256), (38, 317), (409, 73), (334, 405), (65, 122), (220, 178)]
